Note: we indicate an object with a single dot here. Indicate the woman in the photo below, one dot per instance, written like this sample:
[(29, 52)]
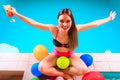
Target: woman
[(65, 39)]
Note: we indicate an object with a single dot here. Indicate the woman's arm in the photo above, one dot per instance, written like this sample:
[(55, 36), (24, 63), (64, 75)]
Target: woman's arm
[(96, 23), (31, 22)]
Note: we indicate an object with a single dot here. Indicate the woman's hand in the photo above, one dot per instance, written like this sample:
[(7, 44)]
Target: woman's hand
[(112, 15), (10, 11), (13, 10)]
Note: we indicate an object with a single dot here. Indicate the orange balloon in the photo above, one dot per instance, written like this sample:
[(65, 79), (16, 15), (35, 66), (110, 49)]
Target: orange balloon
[(40, 52)]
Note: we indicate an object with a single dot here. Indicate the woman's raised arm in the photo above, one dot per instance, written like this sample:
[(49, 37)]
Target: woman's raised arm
[(96, 23), (31, 21)]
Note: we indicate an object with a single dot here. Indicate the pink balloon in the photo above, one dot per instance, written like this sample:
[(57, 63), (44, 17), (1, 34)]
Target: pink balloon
[(93, 75)]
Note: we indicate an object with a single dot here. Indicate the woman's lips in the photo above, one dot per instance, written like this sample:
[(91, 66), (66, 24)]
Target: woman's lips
[(64, 27)]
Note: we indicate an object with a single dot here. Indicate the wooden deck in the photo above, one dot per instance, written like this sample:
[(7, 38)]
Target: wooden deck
[(17, 66)]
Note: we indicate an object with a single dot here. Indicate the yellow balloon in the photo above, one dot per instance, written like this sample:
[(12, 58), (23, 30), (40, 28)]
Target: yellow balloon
[(40, 52)]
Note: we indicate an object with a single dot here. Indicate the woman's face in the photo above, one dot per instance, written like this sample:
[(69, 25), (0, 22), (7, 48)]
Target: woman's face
[(64, 22)]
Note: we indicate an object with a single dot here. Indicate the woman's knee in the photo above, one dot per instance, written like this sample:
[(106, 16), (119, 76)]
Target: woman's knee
[(44, 68), (85, 69), (82, 71), (47, 63), (41, 68)]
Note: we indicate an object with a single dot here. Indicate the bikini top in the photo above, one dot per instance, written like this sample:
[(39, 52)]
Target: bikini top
[(57, 43)]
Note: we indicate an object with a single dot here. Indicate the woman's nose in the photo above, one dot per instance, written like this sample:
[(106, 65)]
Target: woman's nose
[(64, 24)]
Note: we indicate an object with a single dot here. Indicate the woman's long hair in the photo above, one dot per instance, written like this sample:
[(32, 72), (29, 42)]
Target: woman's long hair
[(72, 33)]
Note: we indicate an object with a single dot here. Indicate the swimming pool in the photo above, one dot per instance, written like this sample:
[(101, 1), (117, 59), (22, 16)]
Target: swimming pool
[(111, 75)]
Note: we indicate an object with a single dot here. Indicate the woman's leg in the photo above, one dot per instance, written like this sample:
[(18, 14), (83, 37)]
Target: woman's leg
[(47, 67), (77, 67)]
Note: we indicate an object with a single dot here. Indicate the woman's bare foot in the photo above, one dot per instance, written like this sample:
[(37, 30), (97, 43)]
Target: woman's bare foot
[(59, 78)]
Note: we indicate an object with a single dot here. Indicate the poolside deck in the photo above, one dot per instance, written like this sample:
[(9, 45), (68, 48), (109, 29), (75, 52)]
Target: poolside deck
[(17, 66)]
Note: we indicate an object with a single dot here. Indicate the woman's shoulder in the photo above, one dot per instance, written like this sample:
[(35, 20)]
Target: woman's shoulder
[(54, 29)]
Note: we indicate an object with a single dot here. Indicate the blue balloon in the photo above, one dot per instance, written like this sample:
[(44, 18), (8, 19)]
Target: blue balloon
[(88, 59), (34, 69)]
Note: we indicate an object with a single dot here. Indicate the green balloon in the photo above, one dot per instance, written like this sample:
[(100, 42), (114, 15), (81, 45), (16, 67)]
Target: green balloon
[(34, 78), (63, 62)]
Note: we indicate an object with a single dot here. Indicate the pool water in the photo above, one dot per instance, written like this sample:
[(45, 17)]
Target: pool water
[(111, 75)]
